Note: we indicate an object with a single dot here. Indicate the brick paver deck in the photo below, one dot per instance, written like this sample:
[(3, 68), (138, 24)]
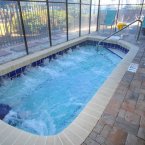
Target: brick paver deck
[(123, 121)]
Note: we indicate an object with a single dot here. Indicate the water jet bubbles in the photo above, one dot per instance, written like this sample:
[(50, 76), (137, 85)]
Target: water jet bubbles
[(46, 62), (48, 98), (78, 47)]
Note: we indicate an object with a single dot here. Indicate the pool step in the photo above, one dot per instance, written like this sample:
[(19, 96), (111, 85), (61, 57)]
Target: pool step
[(118, 52)]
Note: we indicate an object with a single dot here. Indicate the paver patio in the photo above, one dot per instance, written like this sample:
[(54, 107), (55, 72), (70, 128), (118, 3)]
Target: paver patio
[(123, 120)]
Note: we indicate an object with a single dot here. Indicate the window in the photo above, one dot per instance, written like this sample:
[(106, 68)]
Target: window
[(73, 20), (58, 22), (85, 9), (36, 25)]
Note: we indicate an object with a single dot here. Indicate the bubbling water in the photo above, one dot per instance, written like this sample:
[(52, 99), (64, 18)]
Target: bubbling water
[(46, 99)]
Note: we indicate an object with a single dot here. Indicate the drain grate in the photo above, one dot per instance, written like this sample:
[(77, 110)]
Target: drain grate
[(133, 67)]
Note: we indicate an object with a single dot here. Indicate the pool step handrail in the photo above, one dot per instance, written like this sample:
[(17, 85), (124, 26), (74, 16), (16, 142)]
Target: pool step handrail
[(138, 20)]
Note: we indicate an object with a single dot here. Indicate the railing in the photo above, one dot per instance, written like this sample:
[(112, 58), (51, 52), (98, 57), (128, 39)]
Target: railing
[(120, 31)]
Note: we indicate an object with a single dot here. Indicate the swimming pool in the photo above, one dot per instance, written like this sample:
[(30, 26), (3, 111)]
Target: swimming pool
[(47, 98)]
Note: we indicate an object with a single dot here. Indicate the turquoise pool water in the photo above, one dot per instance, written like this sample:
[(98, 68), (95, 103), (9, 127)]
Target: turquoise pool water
[(46, 99)]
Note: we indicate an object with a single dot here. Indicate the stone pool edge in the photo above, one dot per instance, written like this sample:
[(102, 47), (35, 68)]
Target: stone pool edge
[(81, 127)]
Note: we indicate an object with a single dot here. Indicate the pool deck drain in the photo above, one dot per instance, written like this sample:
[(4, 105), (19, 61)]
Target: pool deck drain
[(133, 67), (86, 123)]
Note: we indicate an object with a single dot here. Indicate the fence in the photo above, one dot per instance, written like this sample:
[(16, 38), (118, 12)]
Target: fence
[(55, 21)]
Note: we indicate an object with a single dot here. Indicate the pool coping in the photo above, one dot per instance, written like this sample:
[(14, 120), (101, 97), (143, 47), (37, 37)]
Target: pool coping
[(81, 127)]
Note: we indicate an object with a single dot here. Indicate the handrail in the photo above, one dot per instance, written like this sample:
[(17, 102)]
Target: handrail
[(121, 30)]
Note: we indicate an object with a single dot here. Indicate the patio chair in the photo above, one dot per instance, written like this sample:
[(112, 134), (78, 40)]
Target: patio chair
[(110, 18), (143, 26)]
